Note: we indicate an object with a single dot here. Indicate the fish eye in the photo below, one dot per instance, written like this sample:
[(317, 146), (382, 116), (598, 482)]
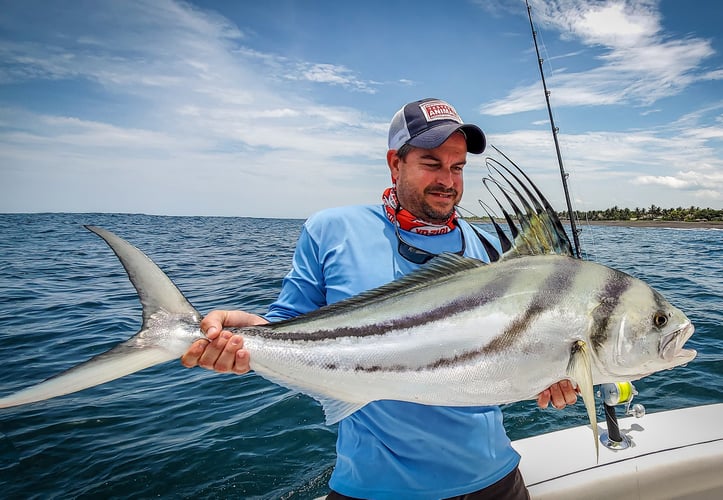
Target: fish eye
[(660, 319)]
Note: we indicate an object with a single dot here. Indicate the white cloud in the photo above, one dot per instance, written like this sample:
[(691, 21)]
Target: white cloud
[(630, 61), (331, 74), (704, 186), (639, 63), (623, 168), (669, 181), (177, 111), (195, 107)]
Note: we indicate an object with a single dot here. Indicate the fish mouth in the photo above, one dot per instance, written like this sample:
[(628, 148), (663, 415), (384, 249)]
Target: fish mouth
[(671, 345)]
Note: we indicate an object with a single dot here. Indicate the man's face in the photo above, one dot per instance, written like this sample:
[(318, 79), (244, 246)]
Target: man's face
[(429, 181)]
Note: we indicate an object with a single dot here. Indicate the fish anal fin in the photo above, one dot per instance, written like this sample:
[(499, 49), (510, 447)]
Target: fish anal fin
[(335, 410), (580, 370)]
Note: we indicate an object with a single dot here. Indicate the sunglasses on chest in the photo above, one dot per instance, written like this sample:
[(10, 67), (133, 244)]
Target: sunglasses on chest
[(417, 255)]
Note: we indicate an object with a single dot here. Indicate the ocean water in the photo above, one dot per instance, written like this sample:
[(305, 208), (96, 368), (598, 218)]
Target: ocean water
[(171, 432)]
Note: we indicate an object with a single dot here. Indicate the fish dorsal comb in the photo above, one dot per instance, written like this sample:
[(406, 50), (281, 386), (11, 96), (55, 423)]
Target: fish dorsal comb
[(534, 227)]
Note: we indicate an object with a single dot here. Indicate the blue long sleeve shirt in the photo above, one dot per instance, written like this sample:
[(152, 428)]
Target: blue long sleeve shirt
[(392, 449)]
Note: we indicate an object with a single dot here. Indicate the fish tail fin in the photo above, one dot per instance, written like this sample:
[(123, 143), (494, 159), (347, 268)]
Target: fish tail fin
[(164, 309), (155, 289)]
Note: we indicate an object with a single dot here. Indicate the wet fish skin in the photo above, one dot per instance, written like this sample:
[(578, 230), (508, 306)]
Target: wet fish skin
[(456, 333), (482, 335)]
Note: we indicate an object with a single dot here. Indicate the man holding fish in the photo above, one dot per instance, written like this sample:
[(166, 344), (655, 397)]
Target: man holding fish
[(394, 449)]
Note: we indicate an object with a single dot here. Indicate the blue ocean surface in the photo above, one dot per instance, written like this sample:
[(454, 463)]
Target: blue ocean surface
[(171, 432)]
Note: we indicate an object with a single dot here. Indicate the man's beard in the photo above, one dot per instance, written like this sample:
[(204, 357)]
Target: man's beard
[(433, 215)]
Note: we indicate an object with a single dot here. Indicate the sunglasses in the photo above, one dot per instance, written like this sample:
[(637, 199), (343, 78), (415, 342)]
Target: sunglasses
[(417, 255)]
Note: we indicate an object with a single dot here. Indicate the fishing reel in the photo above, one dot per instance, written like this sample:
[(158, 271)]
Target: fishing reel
[(622, 393), (612, 395)]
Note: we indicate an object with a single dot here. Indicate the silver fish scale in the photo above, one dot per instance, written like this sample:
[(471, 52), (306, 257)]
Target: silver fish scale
[(480, 328)]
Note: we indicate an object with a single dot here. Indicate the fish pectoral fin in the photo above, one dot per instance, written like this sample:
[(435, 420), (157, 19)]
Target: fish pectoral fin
[(579, 368), (335, 410)]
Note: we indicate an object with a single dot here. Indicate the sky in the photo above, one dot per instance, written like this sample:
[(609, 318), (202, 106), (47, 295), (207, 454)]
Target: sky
[(281, 109)]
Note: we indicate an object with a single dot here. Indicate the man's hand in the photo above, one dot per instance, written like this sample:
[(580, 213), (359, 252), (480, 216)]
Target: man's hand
[(221, 350), (560, 395)]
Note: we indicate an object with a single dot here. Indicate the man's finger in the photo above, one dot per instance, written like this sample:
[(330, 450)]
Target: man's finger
[(213, 351), (569, 392), (193, 354), (543, 399), (227, 358), (241, 364)]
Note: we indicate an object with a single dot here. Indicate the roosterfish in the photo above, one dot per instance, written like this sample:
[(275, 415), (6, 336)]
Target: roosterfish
[(456, 332)]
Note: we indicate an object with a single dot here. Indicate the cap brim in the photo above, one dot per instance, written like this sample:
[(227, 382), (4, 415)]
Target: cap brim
[(434, 137)]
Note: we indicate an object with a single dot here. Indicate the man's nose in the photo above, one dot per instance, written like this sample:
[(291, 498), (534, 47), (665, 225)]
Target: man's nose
[(445, 177)]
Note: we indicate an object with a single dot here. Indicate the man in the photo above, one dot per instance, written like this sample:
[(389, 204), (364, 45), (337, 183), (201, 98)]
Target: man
[(393, 449)]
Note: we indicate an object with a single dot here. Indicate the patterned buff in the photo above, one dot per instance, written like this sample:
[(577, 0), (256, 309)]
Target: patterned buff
[(408, 222)]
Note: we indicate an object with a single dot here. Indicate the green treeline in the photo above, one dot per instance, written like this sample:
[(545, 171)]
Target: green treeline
[(691, 214)]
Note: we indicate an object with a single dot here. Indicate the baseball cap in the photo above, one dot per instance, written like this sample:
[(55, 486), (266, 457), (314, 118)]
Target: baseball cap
[(428, 123)]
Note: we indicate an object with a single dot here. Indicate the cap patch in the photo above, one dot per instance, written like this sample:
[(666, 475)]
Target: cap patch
[(439, 110)]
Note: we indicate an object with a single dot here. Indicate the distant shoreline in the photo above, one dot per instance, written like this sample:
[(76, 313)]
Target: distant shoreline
[(670, 224)]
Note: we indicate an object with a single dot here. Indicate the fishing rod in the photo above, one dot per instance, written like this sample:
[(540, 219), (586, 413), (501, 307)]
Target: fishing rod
[(563, 174), (611, 394)]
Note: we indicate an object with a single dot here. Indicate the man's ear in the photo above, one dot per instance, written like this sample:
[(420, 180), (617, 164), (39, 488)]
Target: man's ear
[(393, 161)]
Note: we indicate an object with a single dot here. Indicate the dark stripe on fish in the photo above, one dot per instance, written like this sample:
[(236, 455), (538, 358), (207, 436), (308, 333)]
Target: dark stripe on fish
[(609, 299), (491, 292), (552, 291), (554, 288), (440, 363)]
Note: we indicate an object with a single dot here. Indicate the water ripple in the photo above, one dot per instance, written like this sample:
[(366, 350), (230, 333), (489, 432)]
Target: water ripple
[(172, 432)]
